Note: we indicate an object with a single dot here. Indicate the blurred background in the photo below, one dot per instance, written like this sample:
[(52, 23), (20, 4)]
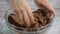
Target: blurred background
[(5, 5)]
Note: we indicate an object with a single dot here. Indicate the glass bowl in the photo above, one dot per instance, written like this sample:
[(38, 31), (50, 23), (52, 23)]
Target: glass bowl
[(18, 29)]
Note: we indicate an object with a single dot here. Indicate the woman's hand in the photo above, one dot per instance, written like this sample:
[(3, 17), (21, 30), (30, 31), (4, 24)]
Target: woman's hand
[(44, 4), (23, 11)]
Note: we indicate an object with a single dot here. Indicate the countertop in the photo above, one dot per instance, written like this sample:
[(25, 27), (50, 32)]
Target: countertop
[(55, 29)]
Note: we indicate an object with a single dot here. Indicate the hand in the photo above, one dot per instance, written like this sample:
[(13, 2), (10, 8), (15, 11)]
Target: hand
[(44, 4), (23, 11)]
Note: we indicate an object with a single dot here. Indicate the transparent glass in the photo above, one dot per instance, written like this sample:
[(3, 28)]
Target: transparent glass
[(13, 27)]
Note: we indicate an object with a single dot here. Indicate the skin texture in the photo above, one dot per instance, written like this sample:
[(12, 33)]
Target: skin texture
[(18, 16), (29, 11), (44, 4), (24, 13), (23, 8)]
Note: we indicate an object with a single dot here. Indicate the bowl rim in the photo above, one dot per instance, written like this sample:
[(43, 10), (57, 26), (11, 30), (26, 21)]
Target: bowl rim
[(26, 31)]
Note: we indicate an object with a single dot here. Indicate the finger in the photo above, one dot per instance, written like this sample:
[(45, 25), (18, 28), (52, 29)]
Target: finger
[(28, 10), (25, 17)]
